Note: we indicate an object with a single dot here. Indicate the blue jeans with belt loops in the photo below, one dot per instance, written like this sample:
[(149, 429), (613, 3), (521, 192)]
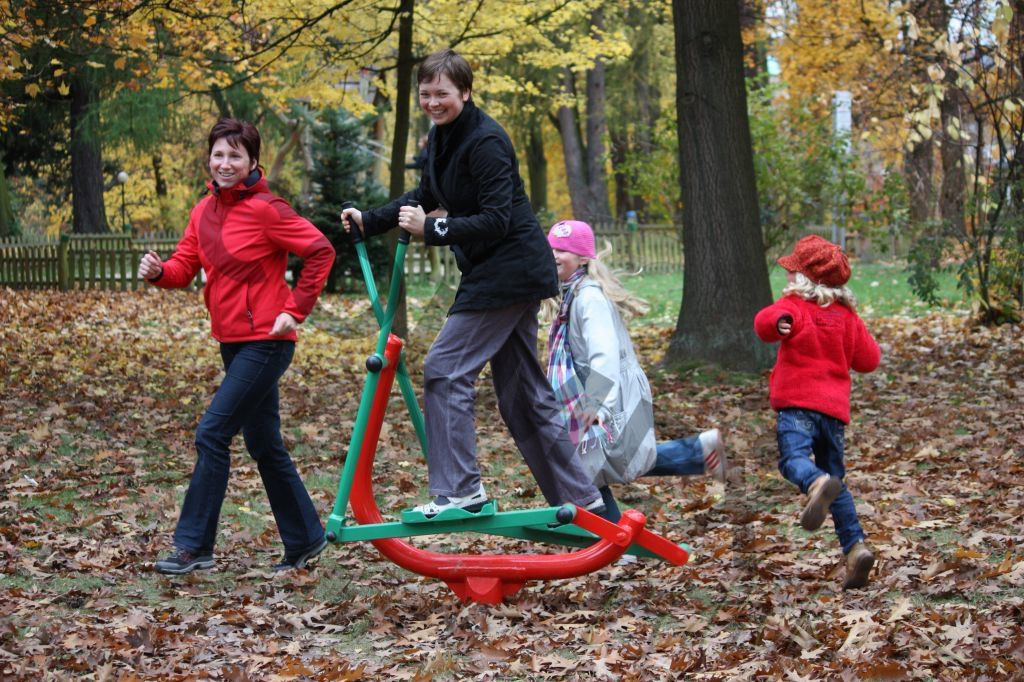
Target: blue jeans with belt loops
[(247, 401), (811, 445)]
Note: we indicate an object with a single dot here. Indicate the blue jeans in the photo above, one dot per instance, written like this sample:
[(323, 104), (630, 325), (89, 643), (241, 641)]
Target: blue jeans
[(803, 434), (681, 457), (247, 401)]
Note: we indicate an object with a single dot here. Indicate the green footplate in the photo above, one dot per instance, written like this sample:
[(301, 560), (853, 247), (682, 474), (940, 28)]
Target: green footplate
[(411, 516)]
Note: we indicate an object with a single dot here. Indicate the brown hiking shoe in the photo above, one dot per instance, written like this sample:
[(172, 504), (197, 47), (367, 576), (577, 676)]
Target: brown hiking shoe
[(820, 496), (859, 561)]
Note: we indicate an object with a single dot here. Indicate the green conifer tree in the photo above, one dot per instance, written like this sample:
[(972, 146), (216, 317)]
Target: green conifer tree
[(342, 161)]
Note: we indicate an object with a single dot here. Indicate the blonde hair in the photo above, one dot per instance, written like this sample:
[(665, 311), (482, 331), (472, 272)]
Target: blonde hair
[(809, 290), (628, 304)]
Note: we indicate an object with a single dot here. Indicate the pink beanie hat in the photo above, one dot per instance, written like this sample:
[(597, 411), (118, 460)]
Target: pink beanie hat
[(574, 236)]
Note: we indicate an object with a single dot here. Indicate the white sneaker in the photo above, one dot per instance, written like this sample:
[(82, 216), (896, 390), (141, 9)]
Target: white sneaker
[(470, 503), (713, 448)]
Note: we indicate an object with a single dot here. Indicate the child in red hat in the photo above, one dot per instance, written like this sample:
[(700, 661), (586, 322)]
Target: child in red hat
[(822, 339)]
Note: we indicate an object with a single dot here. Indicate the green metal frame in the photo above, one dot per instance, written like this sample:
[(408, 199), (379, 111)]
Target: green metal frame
[(538, 525)]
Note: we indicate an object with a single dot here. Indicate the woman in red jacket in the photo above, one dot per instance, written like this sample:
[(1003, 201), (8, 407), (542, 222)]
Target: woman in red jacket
[(241, 235), (822, 338)]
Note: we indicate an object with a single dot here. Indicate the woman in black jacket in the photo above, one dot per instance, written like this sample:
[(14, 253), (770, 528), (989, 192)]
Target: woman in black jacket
[(507, 269)]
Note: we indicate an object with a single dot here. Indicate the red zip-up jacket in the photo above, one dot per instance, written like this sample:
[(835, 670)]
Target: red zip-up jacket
[(241, 237), (813, 367)]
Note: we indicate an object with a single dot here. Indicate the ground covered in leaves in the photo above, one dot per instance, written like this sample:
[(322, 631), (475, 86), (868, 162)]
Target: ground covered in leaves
[(100, 393)]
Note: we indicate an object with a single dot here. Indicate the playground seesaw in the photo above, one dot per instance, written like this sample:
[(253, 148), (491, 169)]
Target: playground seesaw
[(473, 577)]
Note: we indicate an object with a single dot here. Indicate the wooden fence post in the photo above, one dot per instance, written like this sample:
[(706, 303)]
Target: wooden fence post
[(63, 274)]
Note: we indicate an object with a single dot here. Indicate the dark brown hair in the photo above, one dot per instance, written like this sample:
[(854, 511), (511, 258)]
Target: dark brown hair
[(237, 133), (450, 63)]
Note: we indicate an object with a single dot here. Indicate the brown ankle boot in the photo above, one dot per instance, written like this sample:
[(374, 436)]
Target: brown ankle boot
[(859, 561), (823, 491)]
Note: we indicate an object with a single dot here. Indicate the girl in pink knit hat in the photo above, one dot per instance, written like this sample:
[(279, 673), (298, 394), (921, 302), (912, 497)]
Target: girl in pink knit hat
[(603, 391), (822, 339)]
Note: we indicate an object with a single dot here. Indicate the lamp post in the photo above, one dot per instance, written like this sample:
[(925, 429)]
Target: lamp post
[(122, 178)]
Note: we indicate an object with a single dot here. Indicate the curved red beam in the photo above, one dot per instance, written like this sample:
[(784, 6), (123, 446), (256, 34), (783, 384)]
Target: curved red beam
[(485, 578)]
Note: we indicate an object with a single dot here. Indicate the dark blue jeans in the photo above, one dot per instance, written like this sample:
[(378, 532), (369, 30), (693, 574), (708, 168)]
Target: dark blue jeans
[(681, 457), (247, 401), (806, 434)]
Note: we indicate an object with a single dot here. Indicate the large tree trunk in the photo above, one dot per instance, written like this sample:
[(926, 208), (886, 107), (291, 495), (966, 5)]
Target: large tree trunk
[(537, 164), (597, 176), (567, 123), (89, 215), (399, 145), (725, 278)]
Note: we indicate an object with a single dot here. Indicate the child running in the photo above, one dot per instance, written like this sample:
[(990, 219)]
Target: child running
[(822, 339), (603, 391)]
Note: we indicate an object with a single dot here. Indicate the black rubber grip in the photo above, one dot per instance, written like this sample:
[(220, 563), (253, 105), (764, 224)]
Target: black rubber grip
[(354, 233)]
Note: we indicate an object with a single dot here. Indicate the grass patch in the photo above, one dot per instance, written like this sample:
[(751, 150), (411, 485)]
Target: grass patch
[(881, 290)]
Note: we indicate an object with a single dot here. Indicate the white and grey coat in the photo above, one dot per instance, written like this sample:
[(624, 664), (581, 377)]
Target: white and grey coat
[(607, 367)]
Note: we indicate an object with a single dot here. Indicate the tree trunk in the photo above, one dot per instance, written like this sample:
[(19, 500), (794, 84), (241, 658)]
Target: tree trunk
[(618, 135), (400, 142), (160, 184), (755, 53), (725, 278), (918, 170), (951, 192), (648, 109), (567, 123), (954, 182), (537, 165), (7, 228), (89, 215), (292, 143), (919, 162), (597, 176)]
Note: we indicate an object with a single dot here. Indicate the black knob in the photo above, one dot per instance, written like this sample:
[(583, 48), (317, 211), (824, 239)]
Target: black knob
[(374, 363), (331, 537), (564, 515)]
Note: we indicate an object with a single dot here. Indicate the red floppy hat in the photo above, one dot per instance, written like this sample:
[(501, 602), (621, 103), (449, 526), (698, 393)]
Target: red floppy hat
[(819, 260)]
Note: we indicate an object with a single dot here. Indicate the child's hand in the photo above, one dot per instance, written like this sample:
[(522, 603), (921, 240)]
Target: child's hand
[(590, 418), (785, 325)]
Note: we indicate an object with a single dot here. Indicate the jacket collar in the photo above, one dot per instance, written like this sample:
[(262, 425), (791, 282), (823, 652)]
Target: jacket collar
[(466, 120), (256, 183)]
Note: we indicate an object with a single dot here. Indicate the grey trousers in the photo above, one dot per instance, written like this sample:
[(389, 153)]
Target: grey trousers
[(507, 338)]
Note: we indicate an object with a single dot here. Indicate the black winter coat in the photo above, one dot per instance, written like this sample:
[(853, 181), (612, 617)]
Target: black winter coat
[(500, 248)]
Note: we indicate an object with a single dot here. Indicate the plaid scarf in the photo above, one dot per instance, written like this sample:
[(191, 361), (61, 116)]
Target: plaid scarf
[(562, 375)]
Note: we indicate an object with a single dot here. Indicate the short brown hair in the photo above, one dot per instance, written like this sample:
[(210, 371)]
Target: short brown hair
[(450, 63), (236, 132)]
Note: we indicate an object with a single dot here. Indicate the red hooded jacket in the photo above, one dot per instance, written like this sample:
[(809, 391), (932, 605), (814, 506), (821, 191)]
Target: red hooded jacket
[(241, 237), (813, 368)]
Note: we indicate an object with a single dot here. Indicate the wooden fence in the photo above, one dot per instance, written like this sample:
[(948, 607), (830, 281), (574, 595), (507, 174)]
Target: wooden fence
[(102, 261), (110, 261)]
